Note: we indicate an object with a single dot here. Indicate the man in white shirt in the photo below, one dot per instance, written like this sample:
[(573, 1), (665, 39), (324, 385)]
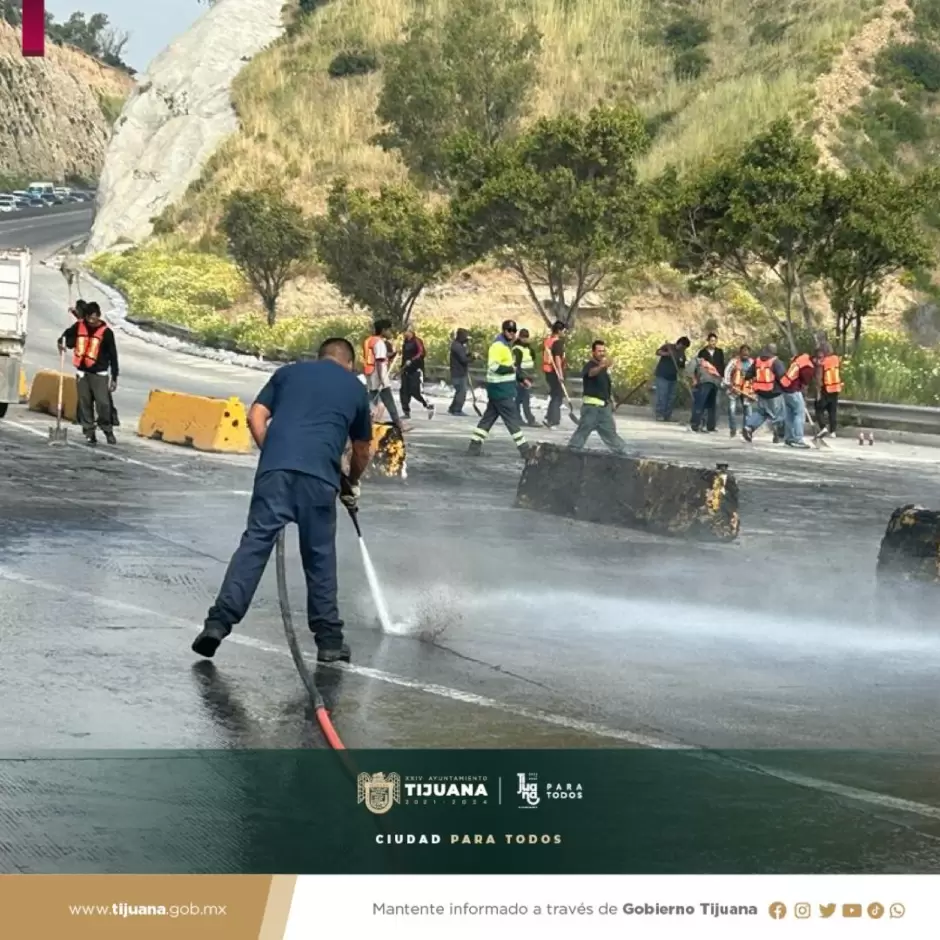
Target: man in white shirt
[(377, 361)]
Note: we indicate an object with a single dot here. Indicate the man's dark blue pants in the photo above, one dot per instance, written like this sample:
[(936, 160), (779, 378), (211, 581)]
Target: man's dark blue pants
[(281, 497)]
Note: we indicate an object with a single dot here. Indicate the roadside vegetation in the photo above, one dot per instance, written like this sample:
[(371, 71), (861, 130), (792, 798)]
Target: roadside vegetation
[(420, 158)]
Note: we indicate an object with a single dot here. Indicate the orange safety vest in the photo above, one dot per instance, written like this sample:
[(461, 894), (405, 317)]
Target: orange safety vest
[(368, 354), (831, 376), (764, 378), (87, 345), (793, 372), (548, 360), (740, 384)]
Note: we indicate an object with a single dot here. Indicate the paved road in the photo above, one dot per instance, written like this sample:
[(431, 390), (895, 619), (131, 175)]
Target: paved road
[(514, 630)]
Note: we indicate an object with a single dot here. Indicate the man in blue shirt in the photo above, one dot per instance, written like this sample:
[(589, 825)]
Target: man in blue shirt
[(301, 421)]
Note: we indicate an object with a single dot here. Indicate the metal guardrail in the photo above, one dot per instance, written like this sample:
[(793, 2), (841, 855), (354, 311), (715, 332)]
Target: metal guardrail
[(871, 414)]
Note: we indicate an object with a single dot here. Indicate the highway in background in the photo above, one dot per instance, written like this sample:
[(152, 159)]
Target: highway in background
[(143, 366), (514, 630)]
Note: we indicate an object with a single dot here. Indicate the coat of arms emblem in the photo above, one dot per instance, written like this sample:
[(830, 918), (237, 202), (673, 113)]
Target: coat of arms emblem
[(379, 791)]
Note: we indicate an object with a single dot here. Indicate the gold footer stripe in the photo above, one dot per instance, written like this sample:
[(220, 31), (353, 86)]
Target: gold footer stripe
[(182, 907)]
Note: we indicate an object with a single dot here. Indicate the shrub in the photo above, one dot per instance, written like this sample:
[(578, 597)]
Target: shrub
[(690, 64), (916, 63), (353, 62), (686, 32)]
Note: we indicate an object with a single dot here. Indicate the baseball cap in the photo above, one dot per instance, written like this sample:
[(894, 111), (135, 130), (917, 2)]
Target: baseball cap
[(509, 326)]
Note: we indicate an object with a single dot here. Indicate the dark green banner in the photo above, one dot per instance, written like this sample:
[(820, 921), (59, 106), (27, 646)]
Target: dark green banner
[(596, 811)]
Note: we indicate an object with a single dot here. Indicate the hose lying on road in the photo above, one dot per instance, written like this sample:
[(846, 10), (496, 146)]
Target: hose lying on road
[(306, 676)]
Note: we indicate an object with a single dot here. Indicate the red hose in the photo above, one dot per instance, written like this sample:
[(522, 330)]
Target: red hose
[(329, 732)]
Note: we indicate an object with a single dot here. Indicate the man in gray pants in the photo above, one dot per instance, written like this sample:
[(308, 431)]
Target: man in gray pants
[(94, 357), (597, 413)]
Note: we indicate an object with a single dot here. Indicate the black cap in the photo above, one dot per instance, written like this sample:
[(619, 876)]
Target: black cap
[(509, 326)]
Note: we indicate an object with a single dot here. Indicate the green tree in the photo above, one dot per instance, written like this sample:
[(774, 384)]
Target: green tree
[(470, 70), (561, 206), (381, 252), (752, 213), (869, 228), (269, 240)]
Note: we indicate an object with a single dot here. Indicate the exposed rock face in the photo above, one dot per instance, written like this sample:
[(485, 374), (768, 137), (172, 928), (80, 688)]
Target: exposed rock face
[(53, 120), (179, 116)]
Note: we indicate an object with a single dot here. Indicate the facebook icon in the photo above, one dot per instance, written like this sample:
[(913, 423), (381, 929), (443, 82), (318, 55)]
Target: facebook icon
[(778, 911)]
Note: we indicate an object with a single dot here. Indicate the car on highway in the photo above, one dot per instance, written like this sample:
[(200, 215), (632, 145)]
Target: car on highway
[(26, 200), (8, 203)]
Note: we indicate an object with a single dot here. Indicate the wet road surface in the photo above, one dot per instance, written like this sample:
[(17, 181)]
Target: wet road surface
[(515, 630)]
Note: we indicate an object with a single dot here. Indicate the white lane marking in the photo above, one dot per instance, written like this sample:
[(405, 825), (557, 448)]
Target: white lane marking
[(102, 453), (856, 794)]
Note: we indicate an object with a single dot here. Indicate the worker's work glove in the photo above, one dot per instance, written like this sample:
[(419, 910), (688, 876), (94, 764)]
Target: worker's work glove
[(349, 494), (112, 387)]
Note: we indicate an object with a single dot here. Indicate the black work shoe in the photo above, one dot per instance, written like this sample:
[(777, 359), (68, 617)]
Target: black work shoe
[(341, 655), (91, 440), (747, 434), (110, 438), (475, 449), (213, 633)]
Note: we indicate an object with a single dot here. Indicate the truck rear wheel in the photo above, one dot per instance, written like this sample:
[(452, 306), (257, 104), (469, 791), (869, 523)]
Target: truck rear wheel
[(3, 408)]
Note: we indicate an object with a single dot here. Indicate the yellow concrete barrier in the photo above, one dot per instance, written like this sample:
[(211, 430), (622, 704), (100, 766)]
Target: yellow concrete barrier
[(24, 387), (44, 394), (217, 425)]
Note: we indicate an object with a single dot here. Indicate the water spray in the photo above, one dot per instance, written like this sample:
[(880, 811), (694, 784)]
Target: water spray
[(378, 598)]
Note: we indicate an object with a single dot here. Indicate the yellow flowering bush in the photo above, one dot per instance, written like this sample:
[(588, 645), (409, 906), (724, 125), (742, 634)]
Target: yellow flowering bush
[(180, 287), (887, 367)]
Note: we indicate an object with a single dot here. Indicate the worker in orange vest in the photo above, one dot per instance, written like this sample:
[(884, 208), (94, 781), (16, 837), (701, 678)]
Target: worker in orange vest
[(828, 388), (553, 368), (740, 389), (765, 375), (377, 357), (795, 381), (94, 357)]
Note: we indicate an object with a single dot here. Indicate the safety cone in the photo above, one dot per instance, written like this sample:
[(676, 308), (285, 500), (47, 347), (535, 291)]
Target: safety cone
[(861, 438), (871, 439)]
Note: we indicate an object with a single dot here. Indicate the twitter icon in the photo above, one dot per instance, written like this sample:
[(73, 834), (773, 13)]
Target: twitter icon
[(827, 910)]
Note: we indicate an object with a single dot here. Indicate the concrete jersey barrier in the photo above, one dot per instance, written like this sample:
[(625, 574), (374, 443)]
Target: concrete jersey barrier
[(594, 486), (44, 394), (215, 425)]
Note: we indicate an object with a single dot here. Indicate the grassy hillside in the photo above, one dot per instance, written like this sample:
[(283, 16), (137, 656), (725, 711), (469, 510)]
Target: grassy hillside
[(861, 76), (707, 73)]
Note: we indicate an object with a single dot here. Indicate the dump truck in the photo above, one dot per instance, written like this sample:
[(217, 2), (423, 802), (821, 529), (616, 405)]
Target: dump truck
[(14, 316)]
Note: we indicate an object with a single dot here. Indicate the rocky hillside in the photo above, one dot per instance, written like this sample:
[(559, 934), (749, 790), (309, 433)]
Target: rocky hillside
[(56, 113)]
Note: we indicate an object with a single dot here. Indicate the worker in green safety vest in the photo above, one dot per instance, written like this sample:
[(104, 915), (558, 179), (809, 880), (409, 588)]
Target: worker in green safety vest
[(525, 372), (501, 380)]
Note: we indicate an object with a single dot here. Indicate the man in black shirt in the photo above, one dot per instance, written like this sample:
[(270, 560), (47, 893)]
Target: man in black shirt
[(708, 392), (597, 413), (94, 356), (671, 363), (412, 373), (459, 371)]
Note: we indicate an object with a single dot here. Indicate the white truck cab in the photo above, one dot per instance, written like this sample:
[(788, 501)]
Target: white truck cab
[(42, 189), (14, 316)]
